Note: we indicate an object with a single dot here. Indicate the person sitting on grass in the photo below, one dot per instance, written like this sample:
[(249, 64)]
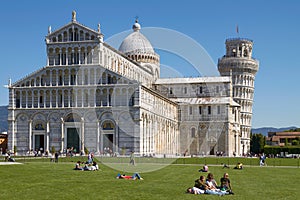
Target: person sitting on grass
[(204, 169), (201, 184), (77, 166), (91, 167), (239, 166), (225, 184), (212, 186), (8, 158), (95, 166), (201, 187), (211, 182), (133, 177), (87, 167)]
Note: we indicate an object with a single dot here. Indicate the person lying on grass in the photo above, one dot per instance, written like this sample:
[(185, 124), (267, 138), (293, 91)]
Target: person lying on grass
[(133, 177), (194, 190)]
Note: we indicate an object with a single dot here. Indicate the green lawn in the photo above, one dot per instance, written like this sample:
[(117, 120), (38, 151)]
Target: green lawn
[(46, 180)]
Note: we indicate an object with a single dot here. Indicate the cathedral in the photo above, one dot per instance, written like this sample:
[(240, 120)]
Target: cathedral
[(93, 97)]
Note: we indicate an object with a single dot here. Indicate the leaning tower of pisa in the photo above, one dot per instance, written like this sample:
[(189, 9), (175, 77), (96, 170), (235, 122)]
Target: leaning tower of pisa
[(242, 67)]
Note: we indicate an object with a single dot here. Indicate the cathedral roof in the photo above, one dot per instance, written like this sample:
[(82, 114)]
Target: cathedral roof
[(216, 79), (207, 100), (136, 42)]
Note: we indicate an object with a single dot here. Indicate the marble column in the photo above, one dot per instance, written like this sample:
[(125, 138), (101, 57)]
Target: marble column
[(62, 135), (47, 136), (82, 134), (98, 137), (30, 135)]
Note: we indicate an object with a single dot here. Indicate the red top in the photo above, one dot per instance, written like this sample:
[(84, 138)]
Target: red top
[(126, 177)]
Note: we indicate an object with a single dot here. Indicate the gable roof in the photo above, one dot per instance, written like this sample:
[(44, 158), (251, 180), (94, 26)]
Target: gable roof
[(70, 25)]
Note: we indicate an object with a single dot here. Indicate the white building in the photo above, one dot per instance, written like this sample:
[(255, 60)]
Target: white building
[(94, 97)]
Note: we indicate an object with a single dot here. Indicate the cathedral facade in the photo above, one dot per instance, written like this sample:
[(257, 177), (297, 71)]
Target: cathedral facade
[(93, 97)]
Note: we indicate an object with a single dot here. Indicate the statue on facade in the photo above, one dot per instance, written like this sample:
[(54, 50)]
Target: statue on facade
[(73, 15), (99, 30), (49, 30)]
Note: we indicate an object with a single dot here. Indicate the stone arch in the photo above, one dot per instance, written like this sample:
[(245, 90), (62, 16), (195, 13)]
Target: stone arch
[(76, 35), (38, 116), (23, 117), (39, 125), (87, 36), (108, 128), (65, 36), (81, 35), (39, 128), (72, 117), (108, 124), (105, 115), (59, 38)]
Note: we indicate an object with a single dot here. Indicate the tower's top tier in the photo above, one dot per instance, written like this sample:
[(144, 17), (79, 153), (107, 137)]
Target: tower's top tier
[(239, 47), (238, 57)]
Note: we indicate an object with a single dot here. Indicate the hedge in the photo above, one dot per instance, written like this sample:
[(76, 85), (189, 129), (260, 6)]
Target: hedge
[(278, 149)]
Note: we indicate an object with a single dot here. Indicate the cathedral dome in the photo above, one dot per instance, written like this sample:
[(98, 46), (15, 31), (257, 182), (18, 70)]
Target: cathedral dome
[(136, 42)]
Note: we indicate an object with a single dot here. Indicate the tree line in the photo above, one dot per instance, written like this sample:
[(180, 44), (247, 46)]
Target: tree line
[(258, 145)]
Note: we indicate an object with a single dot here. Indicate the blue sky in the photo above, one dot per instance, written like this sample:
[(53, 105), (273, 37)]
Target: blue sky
[(273, 26)]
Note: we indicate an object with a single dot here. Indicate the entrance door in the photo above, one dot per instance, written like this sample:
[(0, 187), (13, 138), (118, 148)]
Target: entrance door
[(73, 138), (39, 143), (212, 150), (108, 141)]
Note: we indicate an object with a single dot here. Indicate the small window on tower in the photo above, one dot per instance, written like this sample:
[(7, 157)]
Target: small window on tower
[(234, 52), (60, 81), (200, 89)]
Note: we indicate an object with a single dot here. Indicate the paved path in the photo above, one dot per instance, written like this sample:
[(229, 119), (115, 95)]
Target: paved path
[(10, 163)]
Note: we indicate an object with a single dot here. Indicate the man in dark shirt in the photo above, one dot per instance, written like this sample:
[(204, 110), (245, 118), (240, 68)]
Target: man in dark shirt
[(56, 157), (200, 183), (225, 183)]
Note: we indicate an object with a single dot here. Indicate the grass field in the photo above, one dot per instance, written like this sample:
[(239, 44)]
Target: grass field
[(47, 180)]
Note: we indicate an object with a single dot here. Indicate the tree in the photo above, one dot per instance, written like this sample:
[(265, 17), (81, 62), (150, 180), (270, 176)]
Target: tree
[(295, 142), (257, 143), (286, 142)]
